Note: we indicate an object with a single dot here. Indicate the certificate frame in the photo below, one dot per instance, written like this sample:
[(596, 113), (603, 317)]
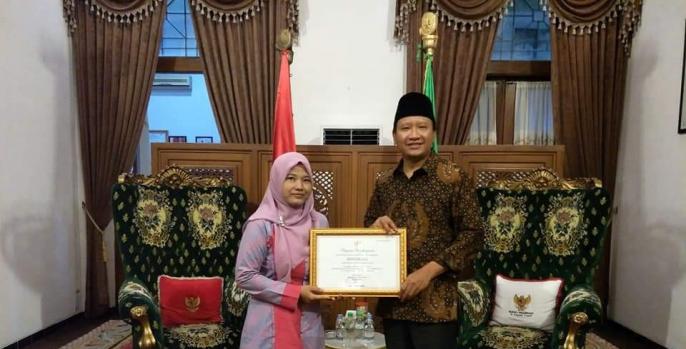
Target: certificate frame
[(316, 263)]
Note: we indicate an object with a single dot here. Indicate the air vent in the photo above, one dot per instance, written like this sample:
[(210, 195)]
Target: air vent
[(351, 136), (172, 81)]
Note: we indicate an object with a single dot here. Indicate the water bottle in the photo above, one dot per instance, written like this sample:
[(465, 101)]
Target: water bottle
[(369, 327), (340, 327), (359, 324)]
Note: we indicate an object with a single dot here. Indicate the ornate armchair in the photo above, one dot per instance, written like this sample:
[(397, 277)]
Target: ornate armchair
[(178, 225), (537, 227)]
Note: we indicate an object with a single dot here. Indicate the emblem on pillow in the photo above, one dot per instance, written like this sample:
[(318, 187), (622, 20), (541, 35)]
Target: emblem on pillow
[(522, 302)]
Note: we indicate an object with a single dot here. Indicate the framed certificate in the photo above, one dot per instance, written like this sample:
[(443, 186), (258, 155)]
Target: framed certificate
[(364, 262)]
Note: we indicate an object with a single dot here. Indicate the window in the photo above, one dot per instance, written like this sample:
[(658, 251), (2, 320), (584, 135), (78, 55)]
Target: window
[(483, 130), (523, 34), (179, 109), (351, 136), (182, 110), (178, 35), (517, 96)]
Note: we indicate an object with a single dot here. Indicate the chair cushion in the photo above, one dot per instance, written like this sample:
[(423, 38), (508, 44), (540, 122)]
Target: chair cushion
[(526, 303), (197, 336), (192, 300), (510, 337)]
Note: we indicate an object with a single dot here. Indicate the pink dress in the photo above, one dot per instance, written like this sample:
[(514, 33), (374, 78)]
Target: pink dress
[(275, 319)]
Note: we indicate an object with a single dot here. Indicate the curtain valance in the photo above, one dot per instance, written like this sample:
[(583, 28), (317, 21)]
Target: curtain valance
[(580, 17), (236, 11), (463, 15), (120, 11)]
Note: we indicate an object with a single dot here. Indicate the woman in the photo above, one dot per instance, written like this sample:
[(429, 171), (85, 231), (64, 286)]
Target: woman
[(272, 262)]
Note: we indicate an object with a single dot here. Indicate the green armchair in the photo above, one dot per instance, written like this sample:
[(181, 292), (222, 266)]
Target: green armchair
[(178, 225), (535, 228)]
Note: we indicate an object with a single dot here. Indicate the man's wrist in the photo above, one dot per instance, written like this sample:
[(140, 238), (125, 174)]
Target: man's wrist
[(434, 269)]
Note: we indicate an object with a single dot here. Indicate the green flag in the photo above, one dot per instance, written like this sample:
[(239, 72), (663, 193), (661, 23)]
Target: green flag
[(429, 92)]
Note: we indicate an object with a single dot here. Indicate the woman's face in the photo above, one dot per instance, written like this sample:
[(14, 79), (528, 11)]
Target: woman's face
[(297, 187)]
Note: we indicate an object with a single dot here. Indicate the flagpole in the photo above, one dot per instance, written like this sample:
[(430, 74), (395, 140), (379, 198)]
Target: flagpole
[(283, 139), (429, 41)]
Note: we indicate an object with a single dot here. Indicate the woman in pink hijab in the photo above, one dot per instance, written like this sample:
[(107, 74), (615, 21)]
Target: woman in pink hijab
[(272, 262)]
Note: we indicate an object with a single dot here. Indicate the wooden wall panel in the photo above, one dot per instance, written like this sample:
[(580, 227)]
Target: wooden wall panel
[(370, 165), (508, 158), (238, 158), (335, 172), (353, 171)]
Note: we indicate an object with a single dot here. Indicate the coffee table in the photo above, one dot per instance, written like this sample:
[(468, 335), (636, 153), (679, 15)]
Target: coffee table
[(379, 342)]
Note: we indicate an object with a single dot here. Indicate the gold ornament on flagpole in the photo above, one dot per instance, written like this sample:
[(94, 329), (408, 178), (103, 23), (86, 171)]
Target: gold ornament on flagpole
[(284, 42), (428, 32)]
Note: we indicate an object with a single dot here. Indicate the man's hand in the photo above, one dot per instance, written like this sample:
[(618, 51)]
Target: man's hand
[(309, 294), (385, 223), (418, 280)]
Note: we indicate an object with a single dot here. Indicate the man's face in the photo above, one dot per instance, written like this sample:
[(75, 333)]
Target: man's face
[(413, 136)]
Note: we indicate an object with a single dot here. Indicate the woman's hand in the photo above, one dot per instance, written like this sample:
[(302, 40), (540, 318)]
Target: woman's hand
[(385, 223), (309, 294)]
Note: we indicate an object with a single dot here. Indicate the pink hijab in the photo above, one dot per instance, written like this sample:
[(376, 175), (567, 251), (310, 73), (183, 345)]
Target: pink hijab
[(291, 225)]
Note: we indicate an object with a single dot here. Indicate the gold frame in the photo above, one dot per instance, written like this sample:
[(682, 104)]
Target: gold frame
[(367, 292), (545, 179), (175, 177)]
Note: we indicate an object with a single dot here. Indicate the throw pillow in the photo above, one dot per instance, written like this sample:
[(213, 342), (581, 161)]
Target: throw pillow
[(526, 303), (190, 300)]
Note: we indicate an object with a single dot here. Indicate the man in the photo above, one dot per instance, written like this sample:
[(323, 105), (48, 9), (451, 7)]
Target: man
[(434, 199)]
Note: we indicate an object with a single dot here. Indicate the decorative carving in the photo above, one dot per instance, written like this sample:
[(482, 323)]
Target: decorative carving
[(427, 31), (483, 178), (323, 189), (175, 177), (284, 42), (544, 179), (210, 172), (147, 339)]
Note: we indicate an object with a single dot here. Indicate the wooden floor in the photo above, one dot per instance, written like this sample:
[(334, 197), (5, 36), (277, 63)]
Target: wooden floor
[(624, 338), (71, 329), (62, 333)]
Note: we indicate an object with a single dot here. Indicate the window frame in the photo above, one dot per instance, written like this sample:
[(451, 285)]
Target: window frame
[(506, 74), (180, 65)]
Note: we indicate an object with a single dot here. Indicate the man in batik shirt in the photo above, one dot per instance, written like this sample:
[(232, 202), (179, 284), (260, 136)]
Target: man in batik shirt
[(434, 199)]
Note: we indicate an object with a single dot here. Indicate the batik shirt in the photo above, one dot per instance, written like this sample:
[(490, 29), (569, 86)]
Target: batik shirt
[(437, 205)]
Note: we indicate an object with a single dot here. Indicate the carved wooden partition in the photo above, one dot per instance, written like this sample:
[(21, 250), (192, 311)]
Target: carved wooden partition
[(344, 176)]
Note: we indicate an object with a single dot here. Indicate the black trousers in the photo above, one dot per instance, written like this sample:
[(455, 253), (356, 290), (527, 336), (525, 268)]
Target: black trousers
[(402, 334)]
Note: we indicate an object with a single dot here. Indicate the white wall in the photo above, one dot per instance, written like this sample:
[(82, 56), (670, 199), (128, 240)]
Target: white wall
[(648, 292), (347, 70), (40, 244)]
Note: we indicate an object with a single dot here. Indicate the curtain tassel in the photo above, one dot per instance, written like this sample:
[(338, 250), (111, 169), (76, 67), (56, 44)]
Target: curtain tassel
[(97, 227)]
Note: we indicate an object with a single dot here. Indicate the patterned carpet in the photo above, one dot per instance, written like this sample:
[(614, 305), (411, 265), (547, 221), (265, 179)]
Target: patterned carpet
[(595, 342), (116, 334)]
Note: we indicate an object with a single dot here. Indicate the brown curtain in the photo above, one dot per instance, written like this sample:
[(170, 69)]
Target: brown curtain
[(591, 40), (590, 47), (466, 33), (237, 45), (115, 45)]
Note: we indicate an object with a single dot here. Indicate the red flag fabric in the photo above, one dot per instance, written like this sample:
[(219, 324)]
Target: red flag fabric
[(284, 136)]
